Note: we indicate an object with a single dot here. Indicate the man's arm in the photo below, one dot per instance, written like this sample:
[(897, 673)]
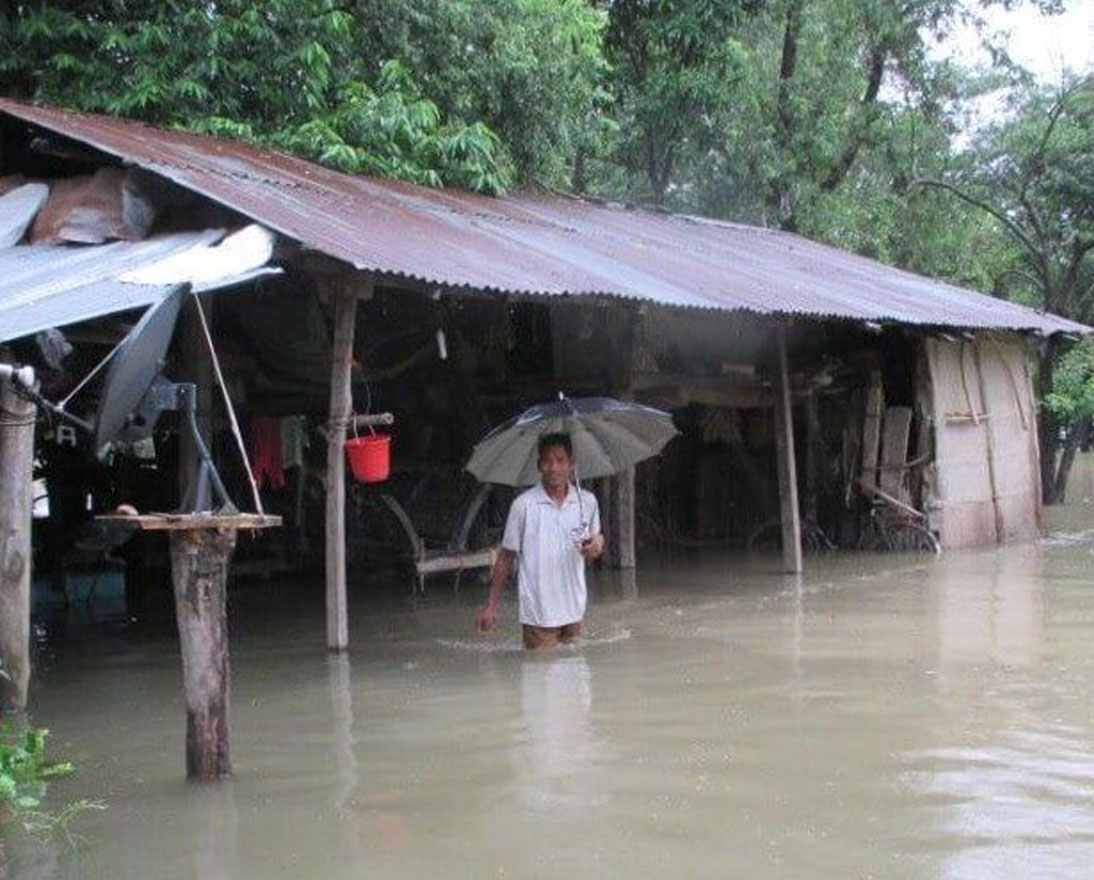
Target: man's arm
[(499, 577)]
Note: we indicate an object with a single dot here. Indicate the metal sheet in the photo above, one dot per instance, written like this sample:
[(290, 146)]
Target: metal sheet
[(44, 286), (18, 208), (539, 245)]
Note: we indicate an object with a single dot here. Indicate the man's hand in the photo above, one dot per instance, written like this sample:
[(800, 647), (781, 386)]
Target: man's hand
[(486, 619), (592, 547)]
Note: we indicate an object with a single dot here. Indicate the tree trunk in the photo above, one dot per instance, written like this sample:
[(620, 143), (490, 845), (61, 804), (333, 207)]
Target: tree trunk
[(1067, 458), (1047, 428)]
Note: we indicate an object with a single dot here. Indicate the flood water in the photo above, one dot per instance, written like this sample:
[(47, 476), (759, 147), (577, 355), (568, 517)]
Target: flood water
[(882, 716)]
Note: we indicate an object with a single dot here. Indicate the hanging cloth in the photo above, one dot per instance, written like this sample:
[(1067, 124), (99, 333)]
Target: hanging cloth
[(266, 452)]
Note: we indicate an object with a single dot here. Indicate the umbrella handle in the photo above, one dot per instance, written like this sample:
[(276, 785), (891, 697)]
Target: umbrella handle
[(577, 479)]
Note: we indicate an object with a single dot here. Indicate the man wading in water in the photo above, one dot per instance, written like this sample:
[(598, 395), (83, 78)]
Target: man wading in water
[(545, 534)]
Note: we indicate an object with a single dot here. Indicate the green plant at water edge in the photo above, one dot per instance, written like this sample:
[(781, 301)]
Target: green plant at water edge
[(25, 774)]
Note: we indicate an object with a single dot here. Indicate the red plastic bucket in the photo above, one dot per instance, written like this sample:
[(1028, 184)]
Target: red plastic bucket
[(370, 457)]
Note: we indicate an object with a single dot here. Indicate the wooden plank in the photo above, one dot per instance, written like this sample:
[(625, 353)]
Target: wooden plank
[(16, 502), (896, 431), (173, 522), (787, 468), (871, 430), (341, 404), (442, 561), (199, 572), (993, 466)]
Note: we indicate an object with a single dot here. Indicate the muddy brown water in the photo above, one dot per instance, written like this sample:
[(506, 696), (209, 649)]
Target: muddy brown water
[(882, 716)]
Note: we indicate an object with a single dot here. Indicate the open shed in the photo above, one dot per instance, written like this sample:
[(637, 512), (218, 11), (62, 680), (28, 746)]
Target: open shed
[(813, 387)]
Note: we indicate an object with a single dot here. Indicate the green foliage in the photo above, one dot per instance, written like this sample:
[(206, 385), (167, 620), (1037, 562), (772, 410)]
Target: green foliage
[(1072, 395), (280, 73), (531, 70), (1033, 173), (676, 69), (25, 774), (24, 770)]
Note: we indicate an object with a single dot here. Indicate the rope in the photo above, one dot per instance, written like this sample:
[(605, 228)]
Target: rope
[(231, 409)]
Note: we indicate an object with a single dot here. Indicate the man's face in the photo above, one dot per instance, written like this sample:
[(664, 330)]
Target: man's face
[(555, 467)]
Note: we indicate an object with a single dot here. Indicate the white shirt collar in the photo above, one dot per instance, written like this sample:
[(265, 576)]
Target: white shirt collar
[(543, 498)]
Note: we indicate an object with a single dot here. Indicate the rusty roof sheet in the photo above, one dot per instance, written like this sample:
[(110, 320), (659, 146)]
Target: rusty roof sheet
[(536, 244)]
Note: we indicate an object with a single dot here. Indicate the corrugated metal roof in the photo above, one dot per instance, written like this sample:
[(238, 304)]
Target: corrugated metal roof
[(532, 244)]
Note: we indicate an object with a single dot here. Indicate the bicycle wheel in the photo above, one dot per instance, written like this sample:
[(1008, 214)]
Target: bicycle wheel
[(909, 537)]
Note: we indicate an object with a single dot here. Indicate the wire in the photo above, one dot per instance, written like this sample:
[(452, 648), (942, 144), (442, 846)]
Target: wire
[(79, 387), (231, 409)]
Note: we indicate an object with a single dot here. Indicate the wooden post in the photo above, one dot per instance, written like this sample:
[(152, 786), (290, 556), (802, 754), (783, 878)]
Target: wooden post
[(341, 405), (199, 570), (622, 512), (16, 502), (788, 472)]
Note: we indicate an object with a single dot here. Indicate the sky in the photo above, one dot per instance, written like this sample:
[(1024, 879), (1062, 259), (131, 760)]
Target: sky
[(1046, 45)]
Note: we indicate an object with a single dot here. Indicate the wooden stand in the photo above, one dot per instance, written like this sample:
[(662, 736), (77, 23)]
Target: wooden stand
[(201, 547), (16, 501)]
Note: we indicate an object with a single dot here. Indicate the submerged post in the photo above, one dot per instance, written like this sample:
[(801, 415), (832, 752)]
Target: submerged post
[(341, 404), (784, 450), (199, 571), (16, 502), (201, 547)]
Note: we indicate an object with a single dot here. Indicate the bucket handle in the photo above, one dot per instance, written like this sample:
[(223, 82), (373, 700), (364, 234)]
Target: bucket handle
[(353, 421)]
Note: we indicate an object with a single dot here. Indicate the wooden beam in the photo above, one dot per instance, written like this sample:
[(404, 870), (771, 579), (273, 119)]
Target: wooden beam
[(199, 572), (871, 429), (345, 299), (788, 472), (17, 417)]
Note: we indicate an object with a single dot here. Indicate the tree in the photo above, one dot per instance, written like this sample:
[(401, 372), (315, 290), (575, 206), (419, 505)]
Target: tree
[(1033, 174), (674, 63), (282, 72), (530, 69)]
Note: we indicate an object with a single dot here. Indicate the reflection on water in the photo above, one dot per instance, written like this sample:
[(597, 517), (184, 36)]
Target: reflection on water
[(554, 758), (992, 611), (880, 716)]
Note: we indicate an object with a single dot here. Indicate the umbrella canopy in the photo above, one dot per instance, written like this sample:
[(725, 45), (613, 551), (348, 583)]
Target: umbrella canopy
[(608, 436)]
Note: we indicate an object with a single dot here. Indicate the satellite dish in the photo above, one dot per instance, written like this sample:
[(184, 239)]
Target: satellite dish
[(133, 370), (135, 395)]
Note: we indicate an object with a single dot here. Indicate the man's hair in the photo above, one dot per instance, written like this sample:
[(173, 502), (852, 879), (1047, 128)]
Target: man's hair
[(547, 441)]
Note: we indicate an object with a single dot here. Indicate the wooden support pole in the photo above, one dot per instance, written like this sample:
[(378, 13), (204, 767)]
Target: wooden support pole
[(16, 502), (788, 472), (621, 486), (341, 406), (622, 512), (199, 571)]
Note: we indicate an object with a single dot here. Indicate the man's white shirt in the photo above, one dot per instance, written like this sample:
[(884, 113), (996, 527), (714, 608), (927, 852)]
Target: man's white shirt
[(550, 567)]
